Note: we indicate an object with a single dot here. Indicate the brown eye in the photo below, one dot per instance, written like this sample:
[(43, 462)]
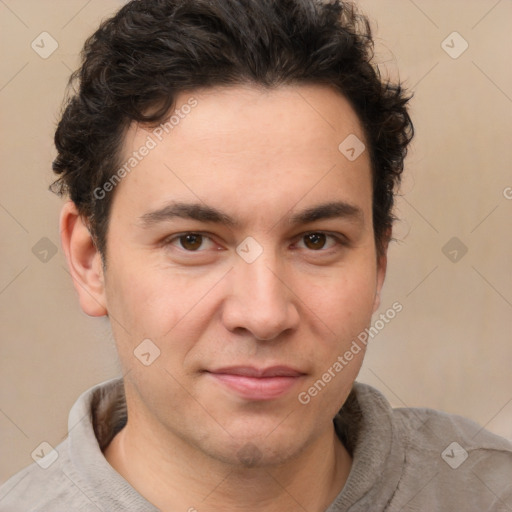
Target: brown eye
[(315, 241), (191, 241)]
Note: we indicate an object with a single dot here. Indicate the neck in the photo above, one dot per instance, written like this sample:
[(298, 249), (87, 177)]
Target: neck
[(176, 476)]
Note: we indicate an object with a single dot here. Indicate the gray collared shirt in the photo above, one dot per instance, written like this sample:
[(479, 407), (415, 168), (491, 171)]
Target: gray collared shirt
[(403, 460)]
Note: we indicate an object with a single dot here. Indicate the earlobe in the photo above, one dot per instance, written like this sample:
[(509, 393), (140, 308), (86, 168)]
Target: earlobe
[(84, 261)]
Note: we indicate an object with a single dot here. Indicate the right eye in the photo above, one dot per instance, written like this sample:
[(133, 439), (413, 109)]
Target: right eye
[(191, 242)]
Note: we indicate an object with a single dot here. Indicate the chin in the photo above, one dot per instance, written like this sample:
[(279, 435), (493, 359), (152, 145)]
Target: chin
[(249, 452)]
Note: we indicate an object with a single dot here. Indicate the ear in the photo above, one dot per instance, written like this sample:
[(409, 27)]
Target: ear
[(382, 263), (84, 261)]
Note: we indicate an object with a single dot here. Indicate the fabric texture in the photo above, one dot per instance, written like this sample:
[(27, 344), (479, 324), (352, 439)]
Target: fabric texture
[(403, 460)]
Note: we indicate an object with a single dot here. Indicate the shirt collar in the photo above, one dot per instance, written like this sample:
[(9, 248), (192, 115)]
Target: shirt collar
[(365, 424)]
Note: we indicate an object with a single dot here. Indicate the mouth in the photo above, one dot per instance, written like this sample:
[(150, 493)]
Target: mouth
[(257, 384)]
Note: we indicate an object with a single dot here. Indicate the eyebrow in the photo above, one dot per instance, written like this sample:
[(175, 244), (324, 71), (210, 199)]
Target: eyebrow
[(205, 213)]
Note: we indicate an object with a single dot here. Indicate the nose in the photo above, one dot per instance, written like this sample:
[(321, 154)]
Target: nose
[(260, 300)]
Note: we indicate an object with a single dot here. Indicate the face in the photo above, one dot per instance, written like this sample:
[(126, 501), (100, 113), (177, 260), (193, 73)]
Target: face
[(242, 246)]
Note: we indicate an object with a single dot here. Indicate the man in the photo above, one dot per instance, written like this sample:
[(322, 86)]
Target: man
[(231, 167)]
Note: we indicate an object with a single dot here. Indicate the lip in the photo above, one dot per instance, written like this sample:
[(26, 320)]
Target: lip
[(253, 383)]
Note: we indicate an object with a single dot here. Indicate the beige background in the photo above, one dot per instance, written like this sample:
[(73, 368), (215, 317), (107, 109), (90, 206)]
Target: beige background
[(450, 348)]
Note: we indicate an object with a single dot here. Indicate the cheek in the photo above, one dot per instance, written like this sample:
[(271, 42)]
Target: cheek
[(139, 308), (345, 306), (150, 301), (170, 308), (342, 301)]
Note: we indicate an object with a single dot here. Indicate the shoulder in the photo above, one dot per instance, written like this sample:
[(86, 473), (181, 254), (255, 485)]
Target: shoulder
[(45, 486), (434, 460), (424, 428), (74, 475), (454, 460)]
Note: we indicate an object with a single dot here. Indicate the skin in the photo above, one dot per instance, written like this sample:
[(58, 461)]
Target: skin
[(260, 156)]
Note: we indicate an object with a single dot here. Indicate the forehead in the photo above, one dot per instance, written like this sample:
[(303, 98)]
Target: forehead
[(226, 142), (299, 113)]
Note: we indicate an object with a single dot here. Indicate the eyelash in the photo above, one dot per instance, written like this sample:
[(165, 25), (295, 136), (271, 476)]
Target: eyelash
[(340, 241)]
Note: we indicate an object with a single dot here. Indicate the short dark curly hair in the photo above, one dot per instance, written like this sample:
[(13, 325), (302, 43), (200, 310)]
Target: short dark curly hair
[(138, 61)]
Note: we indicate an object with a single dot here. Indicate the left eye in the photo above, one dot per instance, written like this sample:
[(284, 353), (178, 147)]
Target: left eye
[(318, 240), (191, 241)]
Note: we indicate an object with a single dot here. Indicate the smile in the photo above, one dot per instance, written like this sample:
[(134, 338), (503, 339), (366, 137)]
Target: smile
[(258, 384)]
